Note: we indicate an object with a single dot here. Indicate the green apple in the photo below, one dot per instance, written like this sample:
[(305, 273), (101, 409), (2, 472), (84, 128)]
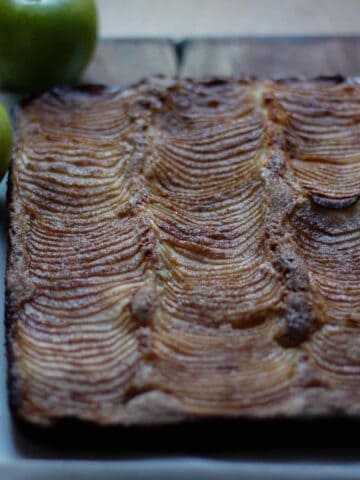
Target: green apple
[(45, 42), (5, 141)]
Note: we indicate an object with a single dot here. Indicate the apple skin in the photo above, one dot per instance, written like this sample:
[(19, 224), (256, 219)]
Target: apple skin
[(45, 42), (5, 141)]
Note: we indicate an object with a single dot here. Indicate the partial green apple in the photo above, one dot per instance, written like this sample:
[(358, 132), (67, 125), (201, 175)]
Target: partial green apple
[(45, 42), (5, 141)]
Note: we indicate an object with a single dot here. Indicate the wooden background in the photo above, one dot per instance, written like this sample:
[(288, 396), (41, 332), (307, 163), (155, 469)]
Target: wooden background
[(127, 61)]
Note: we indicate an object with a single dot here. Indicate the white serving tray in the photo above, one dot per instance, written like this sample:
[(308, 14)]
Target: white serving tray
[(22, 458)]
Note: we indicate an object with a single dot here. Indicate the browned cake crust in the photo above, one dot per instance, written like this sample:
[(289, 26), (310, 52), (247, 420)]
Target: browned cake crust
[(186, 249)]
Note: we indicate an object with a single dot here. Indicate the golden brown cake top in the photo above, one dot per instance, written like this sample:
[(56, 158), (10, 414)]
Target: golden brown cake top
[(183, 249)]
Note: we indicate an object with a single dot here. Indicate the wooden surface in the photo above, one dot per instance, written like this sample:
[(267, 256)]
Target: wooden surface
[(272, 57), (124, 62)]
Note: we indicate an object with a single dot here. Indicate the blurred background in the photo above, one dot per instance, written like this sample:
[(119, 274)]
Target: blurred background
[(182, 18), (265, 38)]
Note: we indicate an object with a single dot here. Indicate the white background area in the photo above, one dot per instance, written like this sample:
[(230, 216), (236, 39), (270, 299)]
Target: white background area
[(183, 18)]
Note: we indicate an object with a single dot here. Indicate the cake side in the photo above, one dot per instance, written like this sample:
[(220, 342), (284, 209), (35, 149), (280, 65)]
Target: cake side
[(185, 249)]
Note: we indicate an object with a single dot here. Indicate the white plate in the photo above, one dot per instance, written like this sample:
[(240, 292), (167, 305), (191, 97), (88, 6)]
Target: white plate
[(25, 460)]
